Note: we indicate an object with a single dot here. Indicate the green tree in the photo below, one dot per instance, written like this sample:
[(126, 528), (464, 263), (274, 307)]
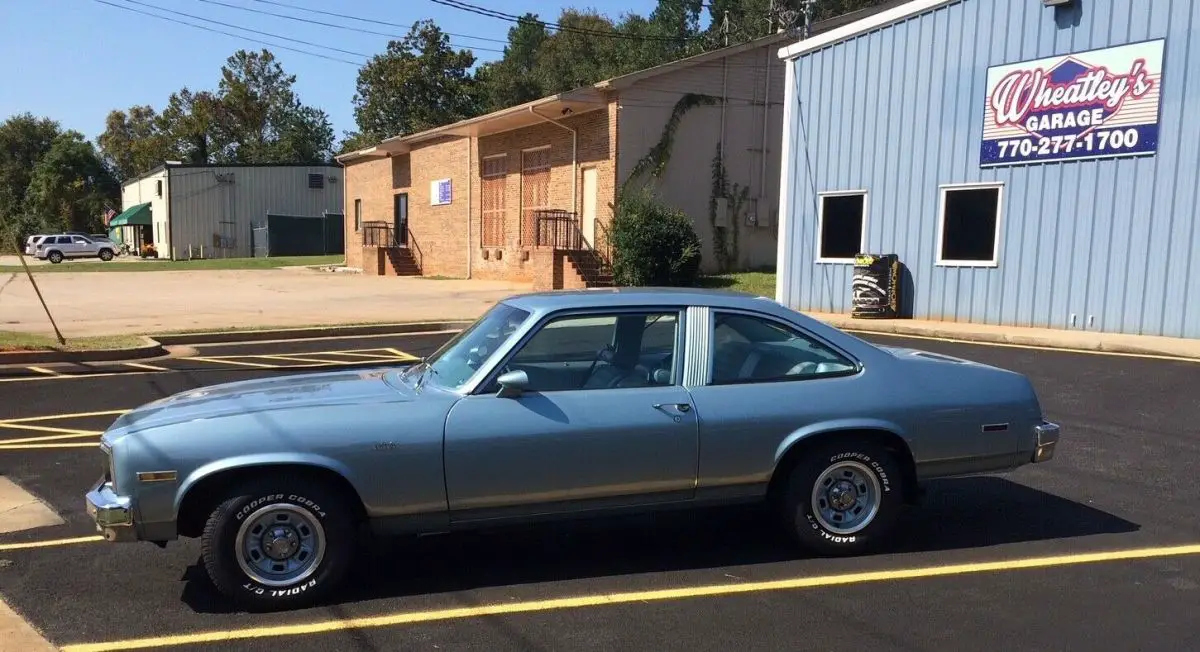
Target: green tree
[(259, 119), (514, 79), (70, 186), (24, 141), (189, 123), (418, 84), (133, 141)]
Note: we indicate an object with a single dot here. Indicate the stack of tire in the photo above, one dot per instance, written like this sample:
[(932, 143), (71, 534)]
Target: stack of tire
[(875, 286)]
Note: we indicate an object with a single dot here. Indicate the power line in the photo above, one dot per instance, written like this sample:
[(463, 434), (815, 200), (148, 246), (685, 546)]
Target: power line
[(345, 27), (238, 36), (374, 21), (490, 13)]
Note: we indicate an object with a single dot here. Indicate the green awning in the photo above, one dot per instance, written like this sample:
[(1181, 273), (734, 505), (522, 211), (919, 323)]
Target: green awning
[(139, 214)]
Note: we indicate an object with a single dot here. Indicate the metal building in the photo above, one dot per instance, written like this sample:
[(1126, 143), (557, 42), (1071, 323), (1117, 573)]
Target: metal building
[(1030, 162), (237, 211)]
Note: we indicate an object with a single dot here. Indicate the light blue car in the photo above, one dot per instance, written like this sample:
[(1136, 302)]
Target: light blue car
[(555, 405)]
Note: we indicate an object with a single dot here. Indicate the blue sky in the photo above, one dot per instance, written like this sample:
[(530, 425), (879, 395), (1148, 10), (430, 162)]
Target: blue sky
[(75, 60)]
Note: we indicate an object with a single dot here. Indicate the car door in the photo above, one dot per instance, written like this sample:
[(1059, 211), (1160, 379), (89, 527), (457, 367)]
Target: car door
[(81, 247), (765, 381), (603, 422)]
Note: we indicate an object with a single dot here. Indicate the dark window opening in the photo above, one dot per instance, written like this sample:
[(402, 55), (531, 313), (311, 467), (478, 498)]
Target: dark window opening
[(969, 224), (841, 226), (316, 181)]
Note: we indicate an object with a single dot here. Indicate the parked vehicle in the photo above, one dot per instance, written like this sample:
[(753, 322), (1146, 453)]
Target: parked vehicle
[(56, 248), (31, 244), (554, 405)]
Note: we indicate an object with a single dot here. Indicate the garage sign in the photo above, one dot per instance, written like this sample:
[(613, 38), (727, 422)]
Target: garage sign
[(1094, 104)]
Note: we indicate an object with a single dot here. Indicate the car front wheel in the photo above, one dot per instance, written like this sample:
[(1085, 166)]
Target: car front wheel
[(106, 255), (280, 544), (844, 497)]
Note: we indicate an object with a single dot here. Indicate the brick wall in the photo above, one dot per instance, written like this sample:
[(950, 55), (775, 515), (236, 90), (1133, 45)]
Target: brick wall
[(439, 233)]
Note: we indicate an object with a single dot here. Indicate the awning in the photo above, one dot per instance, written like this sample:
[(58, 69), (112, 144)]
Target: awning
[(139, 214)]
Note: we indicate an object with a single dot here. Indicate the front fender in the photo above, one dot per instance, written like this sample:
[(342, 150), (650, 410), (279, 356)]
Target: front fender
[(823, 427), (258, 459)]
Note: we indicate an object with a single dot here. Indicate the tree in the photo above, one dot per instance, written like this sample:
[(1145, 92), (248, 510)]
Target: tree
[(189, 124), (24, 140), (70, 186), (514, 79), (133, 141), (418, 84), (259, 119)]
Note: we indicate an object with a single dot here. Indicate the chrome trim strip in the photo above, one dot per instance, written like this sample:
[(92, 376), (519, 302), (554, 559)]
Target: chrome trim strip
[(696, 369)]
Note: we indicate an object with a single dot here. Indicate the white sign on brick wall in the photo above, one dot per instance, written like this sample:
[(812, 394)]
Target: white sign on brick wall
[(440, 192)]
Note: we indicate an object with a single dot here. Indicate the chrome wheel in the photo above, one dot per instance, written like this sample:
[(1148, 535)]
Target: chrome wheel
[(280, 544), (845, 497)]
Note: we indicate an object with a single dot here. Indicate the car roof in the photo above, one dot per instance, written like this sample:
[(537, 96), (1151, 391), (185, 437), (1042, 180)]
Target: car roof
[(634, 296)]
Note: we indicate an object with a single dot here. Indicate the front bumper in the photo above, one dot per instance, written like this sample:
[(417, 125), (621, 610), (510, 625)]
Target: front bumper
[(1045, 439), (112, 514)]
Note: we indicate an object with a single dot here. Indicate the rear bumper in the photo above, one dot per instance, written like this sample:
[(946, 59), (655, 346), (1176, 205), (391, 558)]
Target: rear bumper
[(112, 513), (1045, 439)]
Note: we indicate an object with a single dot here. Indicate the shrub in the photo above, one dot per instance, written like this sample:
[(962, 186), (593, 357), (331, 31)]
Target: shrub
[(653, 244)]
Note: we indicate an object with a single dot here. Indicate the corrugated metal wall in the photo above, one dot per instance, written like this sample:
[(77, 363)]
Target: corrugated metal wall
[(215, 205), (687, 182), (899, 111)]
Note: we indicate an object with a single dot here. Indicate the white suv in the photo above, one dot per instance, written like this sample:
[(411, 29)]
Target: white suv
[(55, 248)]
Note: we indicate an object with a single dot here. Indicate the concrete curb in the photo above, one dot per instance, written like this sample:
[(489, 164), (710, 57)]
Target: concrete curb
[(1070, 340), (149, 349), (155, 345)]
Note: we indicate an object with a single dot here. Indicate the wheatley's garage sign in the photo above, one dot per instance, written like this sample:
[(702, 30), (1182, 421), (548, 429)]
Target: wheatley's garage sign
[(1095, 104)]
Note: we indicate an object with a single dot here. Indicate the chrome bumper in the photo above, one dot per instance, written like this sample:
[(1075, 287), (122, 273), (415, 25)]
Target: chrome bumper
[(112, 514), (1045, 438)]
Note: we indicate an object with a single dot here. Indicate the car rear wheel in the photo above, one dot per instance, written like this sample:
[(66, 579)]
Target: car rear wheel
[(844, 497), (279, 544), (55, 257)]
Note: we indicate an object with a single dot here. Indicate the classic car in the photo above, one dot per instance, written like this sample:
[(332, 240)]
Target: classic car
[(563, 404)]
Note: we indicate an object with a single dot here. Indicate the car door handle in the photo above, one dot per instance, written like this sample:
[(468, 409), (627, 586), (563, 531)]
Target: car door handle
[(682, 407)]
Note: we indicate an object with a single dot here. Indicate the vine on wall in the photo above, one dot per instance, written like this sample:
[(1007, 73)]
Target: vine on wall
[(725, 240), (655, 161)]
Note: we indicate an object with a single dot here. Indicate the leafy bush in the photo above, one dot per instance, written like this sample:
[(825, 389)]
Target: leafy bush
[(653, 244)]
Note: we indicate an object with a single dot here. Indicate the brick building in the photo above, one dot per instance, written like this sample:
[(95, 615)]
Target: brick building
[(524, 194)]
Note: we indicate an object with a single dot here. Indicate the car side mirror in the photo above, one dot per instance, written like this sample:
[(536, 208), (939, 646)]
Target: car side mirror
[(512, 384)]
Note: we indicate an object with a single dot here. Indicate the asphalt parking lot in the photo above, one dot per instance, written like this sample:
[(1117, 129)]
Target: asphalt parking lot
[(995, 562)]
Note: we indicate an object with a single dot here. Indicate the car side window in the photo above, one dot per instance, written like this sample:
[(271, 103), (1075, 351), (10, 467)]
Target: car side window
[(599, 352), (748, 349)]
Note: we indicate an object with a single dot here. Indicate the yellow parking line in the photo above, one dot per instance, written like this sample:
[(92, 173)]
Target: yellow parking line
[(407, 618), (23, 426), (72, 415), (43, 370), (402, 354), (5, 547), (237, 362), (78, 434), (359, 354), (141, 365), (30, 447), (296, 358)]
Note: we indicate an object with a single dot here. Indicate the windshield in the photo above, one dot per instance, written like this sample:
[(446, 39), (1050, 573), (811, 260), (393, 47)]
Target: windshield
[(457, 360)]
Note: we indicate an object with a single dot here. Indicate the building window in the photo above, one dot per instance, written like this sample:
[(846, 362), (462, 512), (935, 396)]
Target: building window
[(492, 210), (316, 181), (535, 190), (357, 214), (969, 225), (841, 226)]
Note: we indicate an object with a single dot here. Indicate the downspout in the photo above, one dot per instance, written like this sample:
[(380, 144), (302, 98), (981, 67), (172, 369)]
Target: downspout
[(470, 203), (574, 160)]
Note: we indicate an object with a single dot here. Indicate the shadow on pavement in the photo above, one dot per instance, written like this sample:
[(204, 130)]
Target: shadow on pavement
[(957, 514)]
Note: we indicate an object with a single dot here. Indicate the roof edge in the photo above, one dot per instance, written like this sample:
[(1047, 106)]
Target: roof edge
[(628, 79), (869, 23)]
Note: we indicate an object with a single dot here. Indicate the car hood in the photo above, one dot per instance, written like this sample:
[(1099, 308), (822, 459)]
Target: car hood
[(371, 386)]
